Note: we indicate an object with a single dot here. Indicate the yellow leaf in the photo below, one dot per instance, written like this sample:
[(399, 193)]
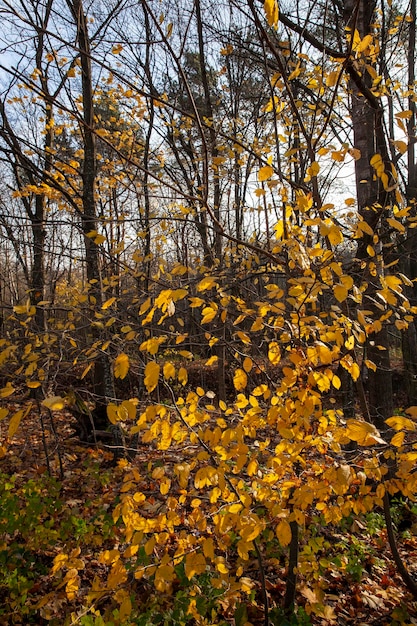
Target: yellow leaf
[(7, 391), (398, 439), (274, 353), (335, 235), (3, 413), (336, 382), (99, 239), (195, 564), (393, 282), (169, 371), (271, 12), (54, 403), (222, 568), (338, 156), (246, 585), (250, 532), (145, 306), (243, 548), (152, 370), (33, 384), (87, 369), (112, 413), (182, 376), (240, 380), (340, 293), (283, 532), (355, 153), (380, 491), (150, 545), (376, 161), (257, 324), (208, 548), (355, 371), (401, 146), (128, 408), (404, 114), (265, 173), (207, 283), (196, 302), (324, 353), (101, 132), (399, 422), (59, 562), (108, 557), (314, 169), (241, 401), (139, 498), (209, 313), (187, 354), (370, 365), (14, 423), (363, 44), (364, 227), (243, 337), (121, 366), (152, 345), (117, 575), (350, 343), (353, 368), (363, 433), (108, 303), (72, 583), (165, 486), (361, 317), (332, 78), (247, 364), (164, 575), (20, 309), (125, 609)]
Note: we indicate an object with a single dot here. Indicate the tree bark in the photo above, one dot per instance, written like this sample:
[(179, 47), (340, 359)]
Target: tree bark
[(103, 376), (367, 115)]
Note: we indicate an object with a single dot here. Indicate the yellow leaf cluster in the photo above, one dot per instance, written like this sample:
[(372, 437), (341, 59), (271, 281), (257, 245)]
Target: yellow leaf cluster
[(152, 370), (271, 12), (122, 412), (121, 365)]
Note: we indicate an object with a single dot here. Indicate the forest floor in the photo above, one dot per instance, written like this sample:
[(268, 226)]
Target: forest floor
[(41, 517)]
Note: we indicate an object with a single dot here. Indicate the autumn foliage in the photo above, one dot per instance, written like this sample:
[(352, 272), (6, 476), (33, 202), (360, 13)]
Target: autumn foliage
[(198, 418)]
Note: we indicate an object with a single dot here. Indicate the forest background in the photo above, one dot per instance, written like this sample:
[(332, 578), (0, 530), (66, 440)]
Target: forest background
[(208, 349)]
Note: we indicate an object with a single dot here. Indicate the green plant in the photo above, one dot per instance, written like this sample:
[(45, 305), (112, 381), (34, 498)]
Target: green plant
[(278, 617), (353, 555)]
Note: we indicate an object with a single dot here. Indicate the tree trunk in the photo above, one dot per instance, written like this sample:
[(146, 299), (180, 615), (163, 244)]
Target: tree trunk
[(367, 113), (409, 258), (103, 387)]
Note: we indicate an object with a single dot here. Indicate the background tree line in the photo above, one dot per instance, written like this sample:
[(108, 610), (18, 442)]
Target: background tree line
[(136, 143)]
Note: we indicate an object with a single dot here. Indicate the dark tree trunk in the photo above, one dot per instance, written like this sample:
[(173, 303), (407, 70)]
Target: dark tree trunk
[(367, 113), (103, 387), (409, 258)]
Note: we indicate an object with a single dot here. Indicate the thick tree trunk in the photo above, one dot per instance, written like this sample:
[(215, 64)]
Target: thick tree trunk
[(409, 258), (366, 112), (37, 283), (103, 388)]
